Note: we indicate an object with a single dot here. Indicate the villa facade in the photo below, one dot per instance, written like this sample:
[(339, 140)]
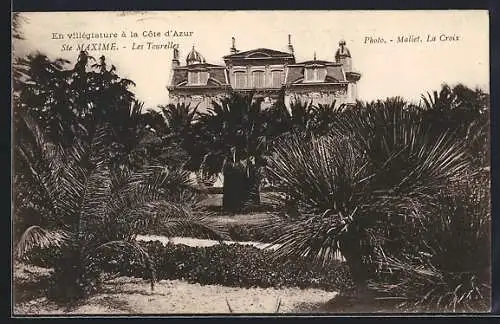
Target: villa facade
[(266, 72)]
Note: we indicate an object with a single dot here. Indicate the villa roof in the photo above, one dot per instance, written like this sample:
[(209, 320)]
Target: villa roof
[(259, 53), (217, 74), (334, 72)]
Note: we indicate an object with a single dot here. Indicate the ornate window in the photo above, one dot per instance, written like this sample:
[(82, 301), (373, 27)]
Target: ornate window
[(240, 80), (258, 79), (277, 78)]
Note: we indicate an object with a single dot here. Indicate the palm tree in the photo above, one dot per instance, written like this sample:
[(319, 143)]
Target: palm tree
[(373, 180), (158, 144), (465, 112), (179, 120), (454, 108), (228, 138), (17, 20), (179, 117), (42, 88), (72, 102), (301, 115), (90, 212), (324, 115)]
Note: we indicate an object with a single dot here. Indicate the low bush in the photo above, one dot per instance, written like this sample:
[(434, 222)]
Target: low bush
[(235, 266), (44, 258), (247, 232)]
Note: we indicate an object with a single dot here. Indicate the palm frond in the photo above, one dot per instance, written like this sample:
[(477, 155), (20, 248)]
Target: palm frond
[(37, 237), (172, 218), (95, 198), (46, 163), (324, 178), (379, 169), (141, 200)]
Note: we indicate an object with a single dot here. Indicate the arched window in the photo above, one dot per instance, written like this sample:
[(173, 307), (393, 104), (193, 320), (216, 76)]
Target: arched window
[(258, 79)]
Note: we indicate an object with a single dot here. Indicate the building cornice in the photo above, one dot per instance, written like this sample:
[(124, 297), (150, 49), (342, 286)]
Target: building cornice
[(199, 87)]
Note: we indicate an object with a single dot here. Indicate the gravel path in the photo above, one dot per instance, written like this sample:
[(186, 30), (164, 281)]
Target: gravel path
[(195, 242), (133, 296)]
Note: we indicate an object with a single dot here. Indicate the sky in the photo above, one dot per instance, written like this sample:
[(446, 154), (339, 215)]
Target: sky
[(389, 68)]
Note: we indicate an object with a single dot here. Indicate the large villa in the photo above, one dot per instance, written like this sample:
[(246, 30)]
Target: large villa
[(267, 72)]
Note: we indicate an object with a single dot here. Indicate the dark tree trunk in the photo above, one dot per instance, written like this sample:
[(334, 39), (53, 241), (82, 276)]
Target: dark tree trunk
[(356, 250), (241, 189), (71, 280)]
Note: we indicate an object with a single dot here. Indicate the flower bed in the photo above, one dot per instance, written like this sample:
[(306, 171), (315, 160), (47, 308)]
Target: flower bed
[(235, 266)]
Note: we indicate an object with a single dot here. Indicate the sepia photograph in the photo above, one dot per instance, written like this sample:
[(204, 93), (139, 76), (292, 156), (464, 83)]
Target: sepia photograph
[(250, 162)]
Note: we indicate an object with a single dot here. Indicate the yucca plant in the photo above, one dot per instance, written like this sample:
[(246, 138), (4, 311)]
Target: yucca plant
[(90, 212), (376, 178)]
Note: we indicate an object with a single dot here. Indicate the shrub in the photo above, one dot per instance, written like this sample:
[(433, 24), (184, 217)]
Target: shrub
[(446, 266), (248, 232), (235, 266)]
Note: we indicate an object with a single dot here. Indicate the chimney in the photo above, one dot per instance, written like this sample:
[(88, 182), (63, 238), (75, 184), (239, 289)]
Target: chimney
[(175, 59), (233, 49), (290, 46)]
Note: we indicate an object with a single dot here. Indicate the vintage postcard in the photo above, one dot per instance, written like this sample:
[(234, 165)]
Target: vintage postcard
[(251, 162)]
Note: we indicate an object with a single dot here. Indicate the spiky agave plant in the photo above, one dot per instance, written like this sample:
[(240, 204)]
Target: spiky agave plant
[(374, 180), (89, 212)]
